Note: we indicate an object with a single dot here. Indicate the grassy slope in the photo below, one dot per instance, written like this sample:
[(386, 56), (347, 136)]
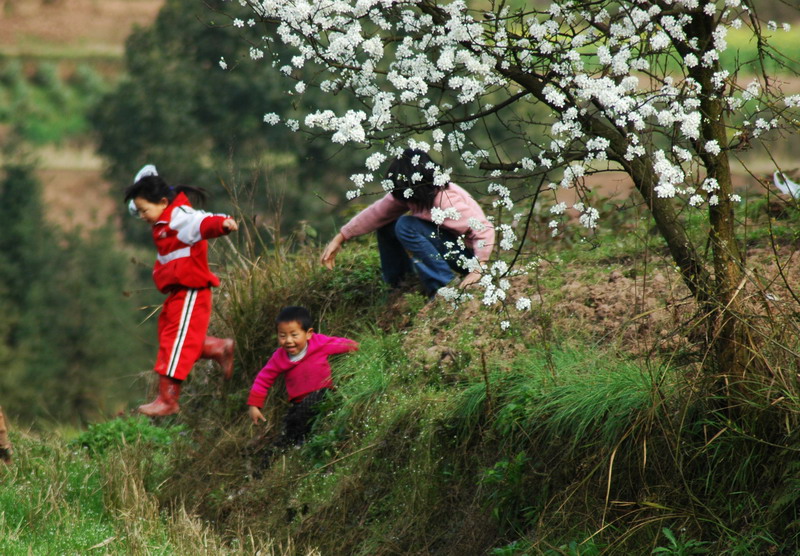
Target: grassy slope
[(582, 429), (91, 494)]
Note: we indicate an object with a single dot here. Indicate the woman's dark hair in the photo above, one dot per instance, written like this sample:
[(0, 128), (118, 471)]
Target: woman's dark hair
[(154, 188), (293, 313), (401, 173)]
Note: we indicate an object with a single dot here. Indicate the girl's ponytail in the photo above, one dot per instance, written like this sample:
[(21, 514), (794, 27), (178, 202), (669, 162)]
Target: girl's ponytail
[(153, 188)]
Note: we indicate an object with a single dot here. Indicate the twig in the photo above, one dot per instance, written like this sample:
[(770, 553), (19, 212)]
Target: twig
[(304, 475)]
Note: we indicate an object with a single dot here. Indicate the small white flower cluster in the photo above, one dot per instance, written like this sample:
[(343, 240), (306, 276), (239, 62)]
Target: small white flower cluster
[(503, 194), (272, 118), (439, 215), (588, 217), (508, 237), (475, 224), (669, 174), (455, 296), (712, 147), (792, 101), (346, 129)]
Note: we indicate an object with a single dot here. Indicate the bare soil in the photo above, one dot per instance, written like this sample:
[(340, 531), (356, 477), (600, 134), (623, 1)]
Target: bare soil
[(622, 304), (75, 192), (101, 24), (78, 198)]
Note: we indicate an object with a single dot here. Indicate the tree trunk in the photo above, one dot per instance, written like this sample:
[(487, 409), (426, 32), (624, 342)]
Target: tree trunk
[(730, 334)]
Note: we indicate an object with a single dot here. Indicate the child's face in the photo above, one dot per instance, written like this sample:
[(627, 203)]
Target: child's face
[(292, 337), (148, 211)]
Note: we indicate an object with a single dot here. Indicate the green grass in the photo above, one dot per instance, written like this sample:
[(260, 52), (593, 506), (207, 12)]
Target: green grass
[(569, 446), (57, 499), (52, 501)]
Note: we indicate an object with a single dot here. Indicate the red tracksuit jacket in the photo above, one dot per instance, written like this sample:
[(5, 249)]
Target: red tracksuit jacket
[(180, 236)]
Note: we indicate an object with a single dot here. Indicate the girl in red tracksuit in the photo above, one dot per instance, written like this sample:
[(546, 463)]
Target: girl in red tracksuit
[(181, 271)]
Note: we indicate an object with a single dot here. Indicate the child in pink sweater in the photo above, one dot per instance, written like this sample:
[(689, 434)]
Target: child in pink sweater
[(302, 359)]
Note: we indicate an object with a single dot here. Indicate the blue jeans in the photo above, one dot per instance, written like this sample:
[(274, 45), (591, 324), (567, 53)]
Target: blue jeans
[(412, 243)]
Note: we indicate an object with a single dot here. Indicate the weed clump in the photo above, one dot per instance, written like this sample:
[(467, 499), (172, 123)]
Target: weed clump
[(101, 438)]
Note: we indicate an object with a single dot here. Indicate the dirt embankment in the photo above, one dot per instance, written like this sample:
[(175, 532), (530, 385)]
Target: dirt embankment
[(94, 25), (75, 191)]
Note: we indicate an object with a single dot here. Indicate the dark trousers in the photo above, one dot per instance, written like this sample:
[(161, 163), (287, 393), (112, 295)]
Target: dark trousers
[(410, 243), (299, 419), (297, 424)]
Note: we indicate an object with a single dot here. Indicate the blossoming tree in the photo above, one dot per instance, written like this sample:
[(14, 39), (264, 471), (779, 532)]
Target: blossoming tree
[(636, 85)]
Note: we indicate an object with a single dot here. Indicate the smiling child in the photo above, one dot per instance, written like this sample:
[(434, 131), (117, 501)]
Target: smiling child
[(302, 359)]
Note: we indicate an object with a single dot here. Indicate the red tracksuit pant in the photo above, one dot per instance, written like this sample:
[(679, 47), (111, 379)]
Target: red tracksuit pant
[(182, 328)]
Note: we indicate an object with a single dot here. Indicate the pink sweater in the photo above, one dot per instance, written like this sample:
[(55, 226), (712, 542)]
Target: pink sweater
[(311, 373), (388, 209)]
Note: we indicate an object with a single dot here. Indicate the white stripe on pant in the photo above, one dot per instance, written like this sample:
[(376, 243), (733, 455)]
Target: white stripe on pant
[(183, 328)]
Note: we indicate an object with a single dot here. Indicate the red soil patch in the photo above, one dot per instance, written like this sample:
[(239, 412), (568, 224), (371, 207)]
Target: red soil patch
[(74, 196), (73, 22), (77, 198)]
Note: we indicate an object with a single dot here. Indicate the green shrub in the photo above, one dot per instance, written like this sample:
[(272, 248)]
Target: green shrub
[(88, 83), (101, 438)]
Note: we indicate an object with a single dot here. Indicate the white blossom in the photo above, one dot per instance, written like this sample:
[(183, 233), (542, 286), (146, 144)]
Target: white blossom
[(439, 215), (427, 83), (475, 224), (712, 147), (375, 160)]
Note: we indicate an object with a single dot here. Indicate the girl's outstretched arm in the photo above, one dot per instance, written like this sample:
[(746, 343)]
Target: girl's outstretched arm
[(194, 225), (470, 279)]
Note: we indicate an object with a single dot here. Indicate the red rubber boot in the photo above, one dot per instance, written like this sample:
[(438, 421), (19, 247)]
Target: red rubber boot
[(221, 351), (169, 389)]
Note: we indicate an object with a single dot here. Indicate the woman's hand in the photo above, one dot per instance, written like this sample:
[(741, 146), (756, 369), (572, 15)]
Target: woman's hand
[(331, 250), (256, 415), (470, 279), (229, 225)]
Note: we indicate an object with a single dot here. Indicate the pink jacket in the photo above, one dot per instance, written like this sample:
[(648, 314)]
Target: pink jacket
[(388, 209), (180, 237), (311, 373)]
